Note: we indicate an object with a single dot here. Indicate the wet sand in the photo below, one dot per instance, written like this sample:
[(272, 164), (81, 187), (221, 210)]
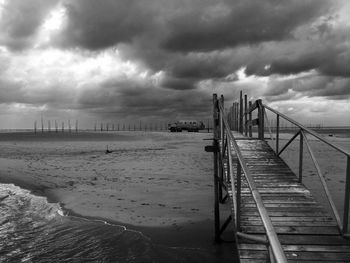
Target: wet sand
[(156, 182)]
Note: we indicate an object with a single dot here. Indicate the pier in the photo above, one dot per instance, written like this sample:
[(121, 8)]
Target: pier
[(275, 218)]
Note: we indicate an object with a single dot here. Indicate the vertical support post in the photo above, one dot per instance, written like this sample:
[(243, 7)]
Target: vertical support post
[(238, 197), (222, 130), (240, 112), (346, 197), (245, 115), (301, 157), (216, 183), (233, 116), (261, 120), (250, 120), (277, 133), (222, 151), (237, 118)]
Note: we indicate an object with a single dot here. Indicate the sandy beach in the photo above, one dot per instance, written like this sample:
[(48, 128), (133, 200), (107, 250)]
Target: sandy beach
[(156, 182)]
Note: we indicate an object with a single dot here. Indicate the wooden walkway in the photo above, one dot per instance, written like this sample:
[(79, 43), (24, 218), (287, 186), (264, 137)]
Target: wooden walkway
[(307, 232)]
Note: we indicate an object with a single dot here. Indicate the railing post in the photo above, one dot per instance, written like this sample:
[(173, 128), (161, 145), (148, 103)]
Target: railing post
[(230, 118), (241, 112), (250, 120), (301, 150), (216, 161), (245, 115), (277, 133), (261, 120), (222, 151), (233, 117), (347, 197), (237, 116), (238, 197)]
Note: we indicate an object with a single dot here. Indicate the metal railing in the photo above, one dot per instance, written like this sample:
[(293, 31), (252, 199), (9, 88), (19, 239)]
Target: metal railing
[(302, 132), (226, 149)]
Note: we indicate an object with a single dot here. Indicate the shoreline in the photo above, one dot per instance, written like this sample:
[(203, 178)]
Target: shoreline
[(185, 236), (139, 182)]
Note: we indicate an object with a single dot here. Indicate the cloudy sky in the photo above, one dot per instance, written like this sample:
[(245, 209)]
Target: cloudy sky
[(118, 61)]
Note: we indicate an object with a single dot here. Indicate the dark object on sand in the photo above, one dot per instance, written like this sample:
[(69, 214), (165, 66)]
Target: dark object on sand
[(330, 135), (107, 151), (189, 125)]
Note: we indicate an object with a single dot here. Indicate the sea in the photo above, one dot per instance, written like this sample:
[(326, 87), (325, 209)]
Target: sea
[(34, 230)]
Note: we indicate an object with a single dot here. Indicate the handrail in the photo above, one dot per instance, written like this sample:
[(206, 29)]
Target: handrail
[(323, 181), (337, 147), (343, 226), (275, 244)]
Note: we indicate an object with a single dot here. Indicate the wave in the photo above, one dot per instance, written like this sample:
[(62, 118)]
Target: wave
[(34, 230)]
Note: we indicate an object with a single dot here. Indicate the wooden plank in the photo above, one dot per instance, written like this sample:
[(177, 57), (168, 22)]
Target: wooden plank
[(299, 256), (305, 229), (318, 256), (334, 240), (291, 219), (283, 205), (291, 223), (301, 248)]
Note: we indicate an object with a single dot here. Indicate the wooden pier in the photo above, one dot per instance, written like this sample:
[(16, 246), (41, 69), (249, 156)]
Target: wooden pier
[(275, 217)]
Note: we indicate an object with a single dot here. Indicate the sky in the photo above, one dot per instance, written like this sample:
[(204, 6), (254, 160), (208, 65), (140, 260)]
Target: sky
[(123, 61)]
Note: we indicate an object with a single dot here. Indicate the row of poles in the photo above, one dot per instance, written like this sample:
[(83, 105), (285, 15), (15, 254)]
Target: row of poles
[(60, 127), (56, 127), (239, 115), (131, 127)]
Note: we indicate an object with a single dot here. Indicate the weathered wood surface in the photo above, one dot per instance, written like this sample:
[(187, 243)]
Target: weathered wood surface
[(307, 232)]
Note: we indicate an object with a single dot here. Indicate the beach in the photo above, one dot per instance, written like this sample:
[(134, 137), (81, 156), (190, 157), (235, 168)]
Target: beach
[(157, 183)]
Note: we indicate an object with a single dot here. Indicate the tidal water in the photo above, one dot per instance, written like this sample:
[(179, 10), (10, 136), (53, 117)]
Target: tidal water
[(33, 230)]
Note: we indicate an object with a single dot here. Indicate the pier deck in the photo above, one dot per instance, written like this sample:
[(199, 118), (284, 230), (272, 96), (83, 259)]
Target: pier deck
[(307, 232), (275, 218)]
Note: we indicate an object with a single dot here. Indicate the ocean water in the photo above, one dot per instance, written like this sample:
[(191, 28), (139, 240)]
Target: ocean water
[(33, 230)]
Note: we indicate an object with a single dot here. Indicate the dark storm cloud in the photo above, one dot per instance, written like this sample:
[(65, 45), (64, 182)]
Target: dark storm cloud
[(194, 25), (336, 88), (127, 97), (20, 21), (171, 82), (239, 22), (323, 48), (97, 25), (205, 65), (327, 61), (154, 32)]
